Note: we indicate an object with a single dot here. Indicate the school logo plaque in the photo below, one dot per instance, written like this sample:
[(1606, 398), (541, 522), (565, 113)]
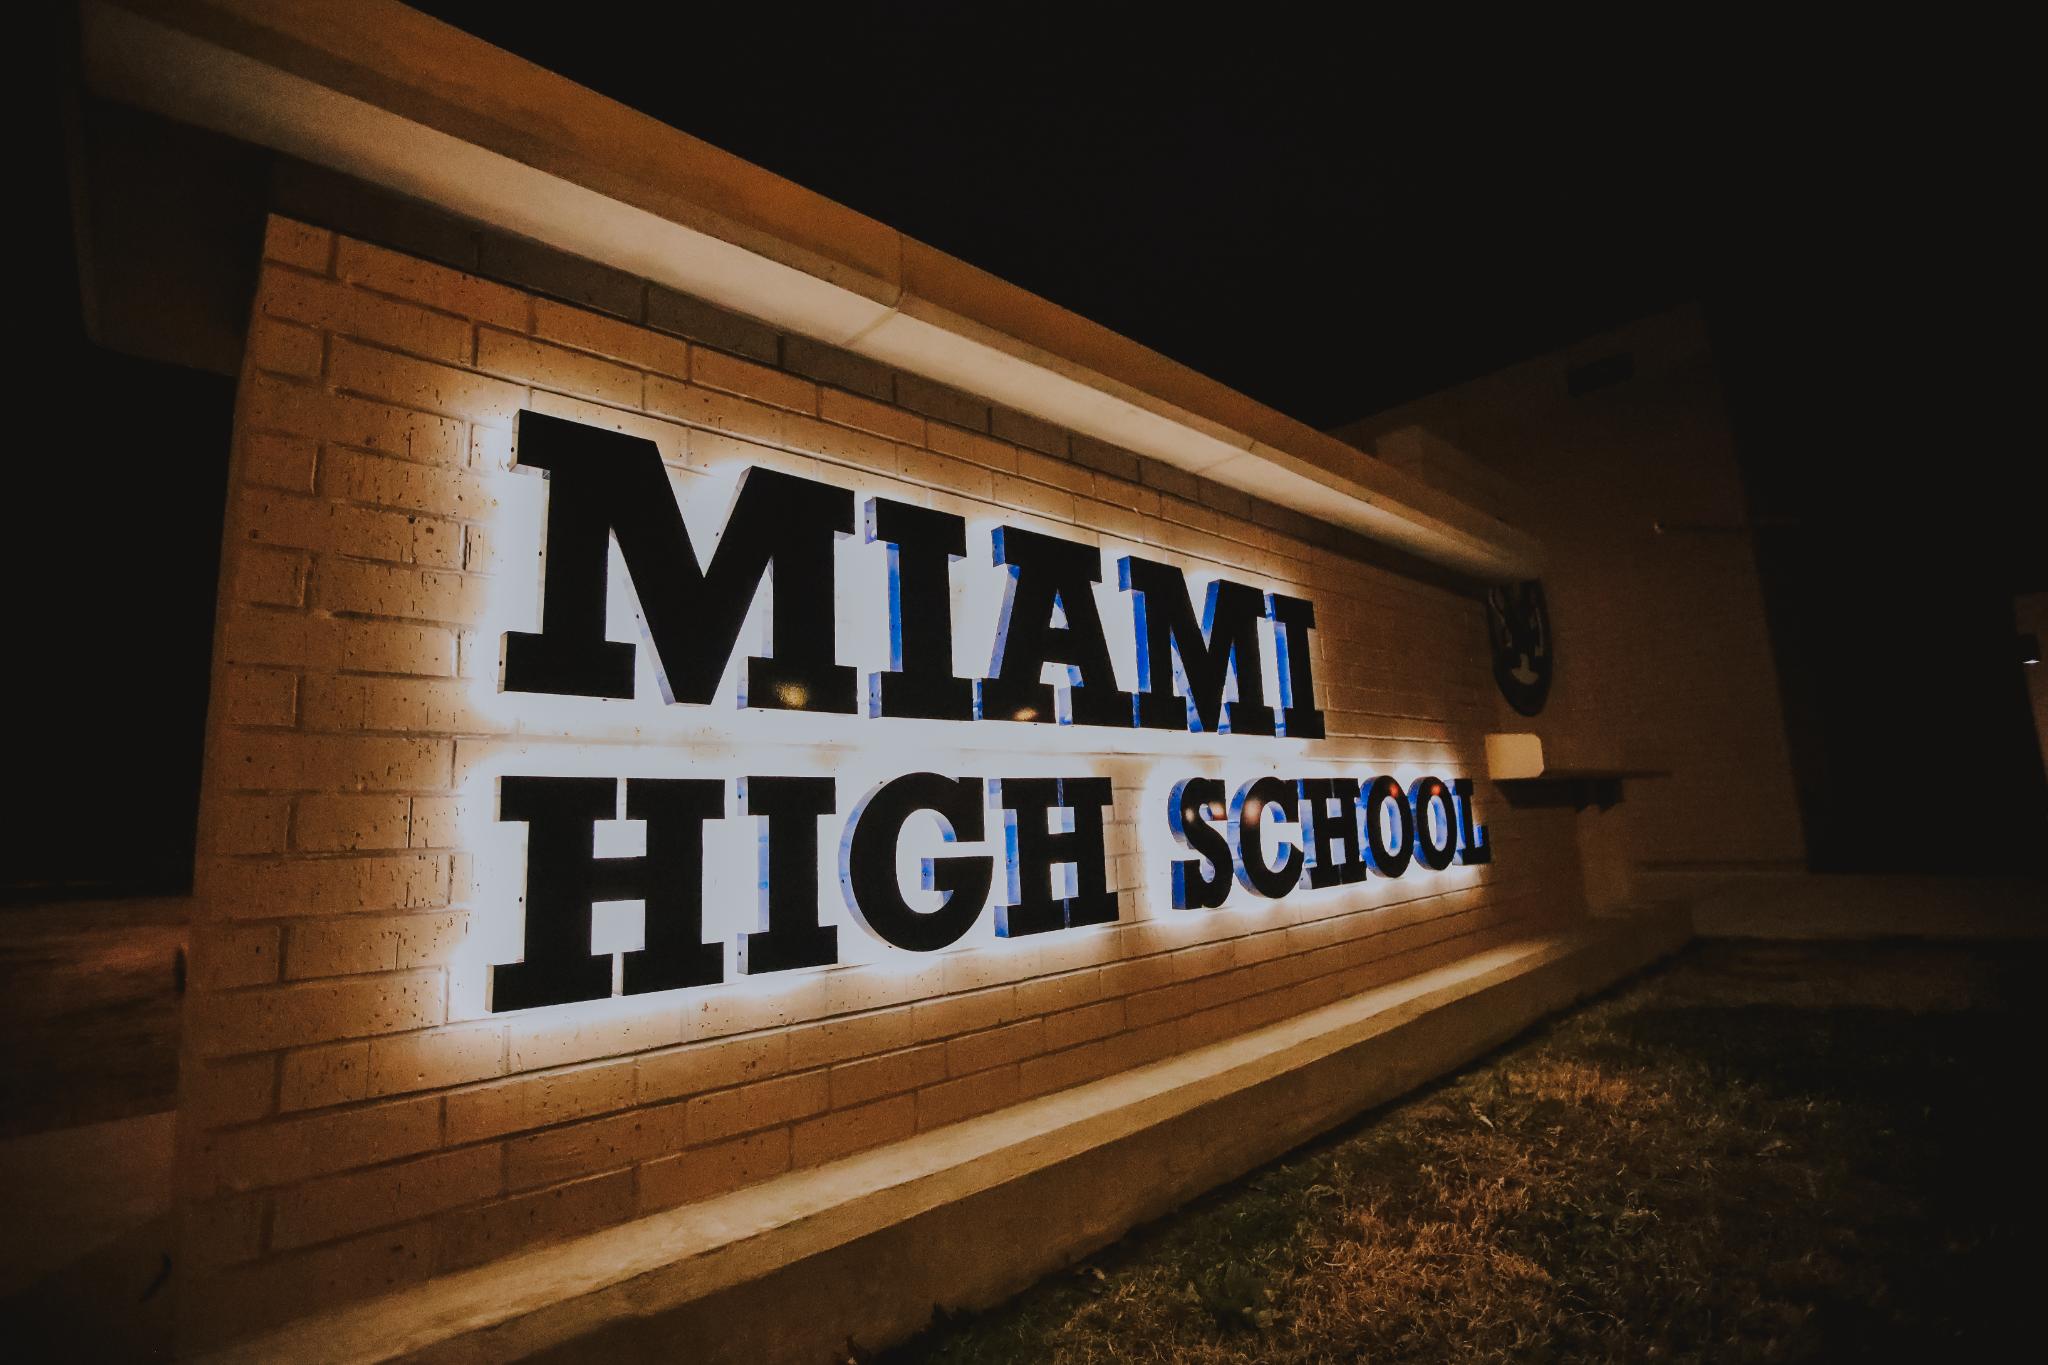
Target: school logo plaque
[(1518, 626)]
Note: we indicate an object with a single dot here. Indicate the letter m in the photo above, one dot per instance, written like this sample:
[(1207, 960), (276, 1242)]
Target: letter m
[(605, 485), (1172, 648)]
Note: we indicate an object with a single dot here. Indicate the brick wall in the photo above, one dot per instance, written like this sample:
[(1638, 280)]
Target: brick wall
[(353, 1119)]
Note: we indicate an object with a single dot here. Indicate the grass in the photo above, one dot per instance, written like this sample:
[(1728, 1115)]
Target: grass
[(1755, 1153)]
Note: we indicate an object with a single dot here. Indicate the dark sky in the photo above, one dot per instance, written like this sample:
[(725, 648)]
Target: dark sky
[(1319, 220)]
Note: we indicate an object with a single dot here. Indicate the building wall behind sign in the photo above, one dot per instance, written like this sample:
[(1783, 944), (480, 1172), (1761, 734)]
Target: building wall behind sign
[(353, 1117), (1663, 653)]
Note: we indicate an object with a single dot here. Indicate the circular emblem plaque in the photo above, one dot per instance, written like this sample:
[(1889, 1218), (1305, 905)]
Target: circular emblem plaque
[(1519, 628)]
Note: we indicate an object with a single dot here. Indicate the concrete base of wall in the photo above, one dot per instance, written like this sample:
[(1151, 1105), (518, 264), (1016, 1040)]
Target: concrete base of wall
[(1813, 906), (861, 1251)]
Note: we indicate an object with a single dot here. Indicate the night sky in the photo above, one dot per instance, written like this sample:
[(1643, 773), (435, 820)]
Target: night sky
[(1333, 221)]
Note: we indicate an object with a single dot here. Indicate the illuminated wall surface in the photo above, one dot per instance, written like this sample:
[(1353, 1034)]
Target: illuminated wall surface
[(372, 1093)]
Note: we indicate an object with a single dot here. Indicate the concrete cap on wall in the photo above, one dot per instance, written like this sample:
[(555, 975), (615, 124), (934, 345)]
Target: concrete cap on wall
[(391, 96)]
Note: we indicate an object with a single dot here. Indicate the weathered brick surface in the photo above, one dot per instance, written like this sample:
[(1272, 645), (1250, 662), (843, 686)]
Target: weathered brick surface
[(357, 1118)]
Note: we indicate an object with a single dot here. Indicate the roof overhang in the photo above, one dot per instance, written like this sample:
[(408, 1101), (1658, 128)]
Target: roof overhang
[(381, 92)]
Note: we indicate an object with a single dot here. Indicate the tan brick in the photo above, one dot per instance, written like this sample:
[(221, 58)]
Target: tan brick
[(272, 1017), (397, 647), (284, 348), (348, 944), (272, 518), (538, 1041), (843, 445), (711, 1066), (967, 1013), (224, 956), (1140, 1046), (1137, 974), (836, 1040), (993, 1047), (436, 1058), (273, 761), (288, 639), (1149, 1007), (702, 407), (1071, 1027), (951, 1101), (764, 1104), (279, 462), (1058, 1070), (250, 824), (333, 823), (468, 1237), (350, 586), (672, 440), (271, 405), (434, 822), (1026, 496), (973, 447), (870, 1077), (636, 346), (389, 272), (405, 486), (288, 1150), (248, 1299), (716, 370), (706, 1171), (552, 367), (597, 1145), (943, 471), (835, 405), (295, 243), (216, 1093), (433, 705), (274, 577), (343, 1205), (335, 307), (316, 1077), (853, 1130), (1054, 993), (525, 1102), (424, 387), (314, 887), (1058, 473)]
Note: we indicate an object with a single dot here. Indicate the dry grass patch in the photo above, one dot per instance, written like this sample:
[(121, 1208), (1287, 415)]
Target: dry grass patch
[(1757, 1153)]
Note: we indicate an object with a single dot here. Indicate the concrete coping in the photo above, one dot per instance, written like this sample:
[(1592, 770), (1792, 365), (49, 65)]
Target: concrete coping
[(541, 1298), (390, 96)]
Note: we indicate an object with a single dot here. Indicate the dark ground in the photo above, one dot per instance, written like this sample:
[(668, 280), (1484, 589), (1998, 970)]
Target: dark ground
[(1759, 1152), (89, 1009)]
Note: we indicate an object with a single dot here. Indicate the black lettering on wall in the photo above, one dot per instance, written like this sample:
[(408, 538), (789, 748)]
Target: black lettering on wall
[(923, 543), (1423, 794), (1390, 854), (1201, 882), (674, 954), (790, 935), (1048, 575), (1293, 618), (1332, 831), (1473, 845), (1183, 666), (1035, 849), (867, 862), (1261, 801), (604, 485), (565, 879)]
